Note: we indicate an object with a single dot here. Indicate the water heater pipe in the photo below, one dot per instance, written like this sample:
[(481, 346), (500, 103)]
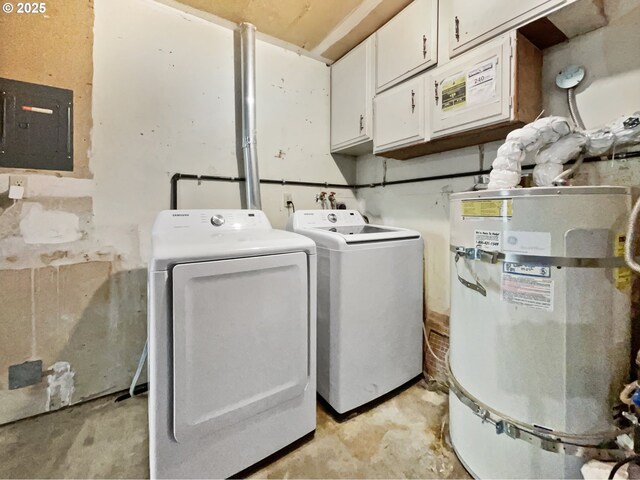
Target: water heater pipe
[(630, 243), (563, 179), (249, 124), (573, 108)]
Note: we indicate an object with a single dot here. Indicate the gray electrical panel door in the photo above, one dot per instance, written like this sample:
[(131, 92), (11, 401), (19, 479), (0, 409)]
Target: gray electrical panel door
[(36, 126)]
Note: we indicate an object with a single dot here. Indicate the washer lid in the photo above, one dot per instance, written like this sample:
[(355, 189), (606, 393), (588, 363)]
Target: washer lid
[(184, 236), (368, 233), (340, 228)]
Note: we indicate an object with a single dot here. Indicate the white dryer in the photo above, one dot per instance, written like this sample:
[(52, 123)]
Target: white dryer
[(370, 285), (232, 342)]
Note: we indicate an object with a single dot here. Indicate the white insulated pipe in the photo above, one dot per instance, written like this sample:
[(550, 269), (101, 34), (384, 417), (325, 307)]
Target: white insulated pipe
[(249, 124)]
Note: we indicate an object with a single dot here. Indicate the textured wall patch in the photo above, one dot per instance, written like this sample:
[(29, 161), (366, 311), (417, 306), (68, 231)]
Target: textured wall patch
[(61, 386), (40, 226)]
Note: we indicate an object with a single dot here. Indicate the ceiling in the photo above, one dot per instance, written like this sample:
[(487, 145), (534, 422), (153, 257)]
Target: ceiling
[(327, 28)]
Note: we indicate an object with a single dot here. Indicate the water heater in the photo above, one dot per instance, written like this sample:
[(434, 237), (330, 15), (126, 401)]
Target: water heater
[(540, 327)]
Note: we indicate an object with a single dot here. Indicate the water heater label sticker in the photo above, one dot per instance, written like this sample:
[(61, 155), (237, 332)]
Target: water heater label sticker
[(621, 275), (528, 291), (528, 243), (488, 240), (618, 248), (526, 270), (474, 209)]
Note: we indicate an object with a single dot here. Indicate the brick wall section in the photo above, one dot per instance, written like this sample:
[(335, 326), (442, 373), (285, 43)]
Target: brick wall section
[(437, 333)]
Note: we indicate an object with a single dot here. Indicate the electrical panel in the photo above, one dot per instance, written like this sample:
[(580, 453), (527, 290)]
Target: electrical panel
[(36, 126)]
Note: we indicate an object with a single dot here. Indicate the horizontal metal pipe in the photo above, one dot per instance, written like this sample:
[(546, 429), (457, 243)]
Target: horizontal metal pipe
[(620, 156), (218, 178), (298, 183)]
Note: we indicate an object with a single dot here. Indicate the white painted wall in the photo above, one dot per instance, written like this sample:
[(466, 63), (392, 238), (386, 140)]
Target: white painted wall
[(422, 206), (611, 89), (611, 57), (164, 102)]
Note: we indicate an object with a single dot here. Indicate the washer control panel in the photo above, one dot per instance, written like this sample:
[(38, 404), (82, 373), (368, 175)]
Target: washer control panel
[(328, 218), (211, 220)]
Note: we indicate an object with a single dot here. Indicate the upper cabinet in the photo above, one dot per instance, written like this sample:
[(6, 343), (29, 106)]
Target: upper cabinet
[(471, 22), (352, 85), (400, 117), (407, 44), (476, 98), (395, 96), (474, 89)]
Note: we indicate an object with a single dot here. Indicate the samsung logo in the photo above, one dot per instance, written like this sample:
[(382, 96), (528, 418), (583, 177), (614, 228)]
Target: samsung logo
[(179, 214)]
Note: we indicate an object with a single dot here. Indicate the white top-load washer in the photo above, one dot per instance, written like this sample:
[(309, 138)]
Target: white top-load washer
[(370, 285), (232, 341)]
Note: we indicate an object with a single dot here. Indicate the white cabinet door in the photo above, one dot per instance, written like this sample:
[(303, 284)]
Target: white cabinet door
[(351, 97), (400, 116), (472, 90), (471, 22), (407, 44)]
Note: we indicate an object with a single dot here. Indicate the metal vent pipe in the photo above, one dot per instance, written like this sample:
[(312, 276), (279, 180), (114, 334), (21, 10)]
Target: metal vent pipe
[(249, 124)]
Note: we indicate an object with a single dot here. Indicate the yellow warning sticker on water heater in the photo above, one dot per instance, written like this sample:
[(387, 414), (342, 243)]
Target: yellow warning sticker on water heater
[(621, 275), (487, 208)]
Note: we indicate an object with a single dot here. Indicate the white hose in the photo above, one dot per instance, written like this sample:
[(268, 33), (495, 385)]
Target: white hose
[(627, 393), (426, 340), (136, 377), (629, 244)]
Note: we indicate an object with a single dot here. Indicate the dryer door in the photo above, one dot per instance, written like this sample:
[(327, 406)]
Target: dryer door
[(240, 340)]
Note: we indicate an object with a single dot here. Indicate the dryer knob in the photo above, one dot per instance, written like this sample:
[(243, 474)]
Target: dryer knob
[(332, 218), (217, 220)]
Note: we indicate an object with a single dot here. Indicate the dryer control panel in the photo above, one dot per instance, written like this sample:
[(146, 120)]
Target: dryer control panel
[(327, 218), (211, 220)]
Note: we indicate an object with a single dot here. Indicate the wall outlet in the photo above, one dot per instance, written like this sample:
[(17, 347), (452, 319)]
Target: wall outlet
[(17, 187), (18, 181), (286, 198)]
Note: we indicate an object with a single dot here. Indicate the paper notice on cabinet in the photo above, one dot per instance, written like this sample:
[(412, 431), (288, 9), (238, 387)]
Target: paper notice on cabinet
[(481, 82), (454, 93), (527, 291)]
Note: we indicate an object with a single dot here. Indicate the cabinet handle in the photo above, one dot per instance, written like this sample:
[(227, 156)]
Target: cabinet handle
[(361, 123), (457, 29), (413, 102), (424, 46), (435, 86)]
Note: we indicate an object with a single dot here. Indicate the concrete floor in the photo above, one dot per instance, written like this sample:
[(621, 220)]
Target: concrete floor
[(400, 438)]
